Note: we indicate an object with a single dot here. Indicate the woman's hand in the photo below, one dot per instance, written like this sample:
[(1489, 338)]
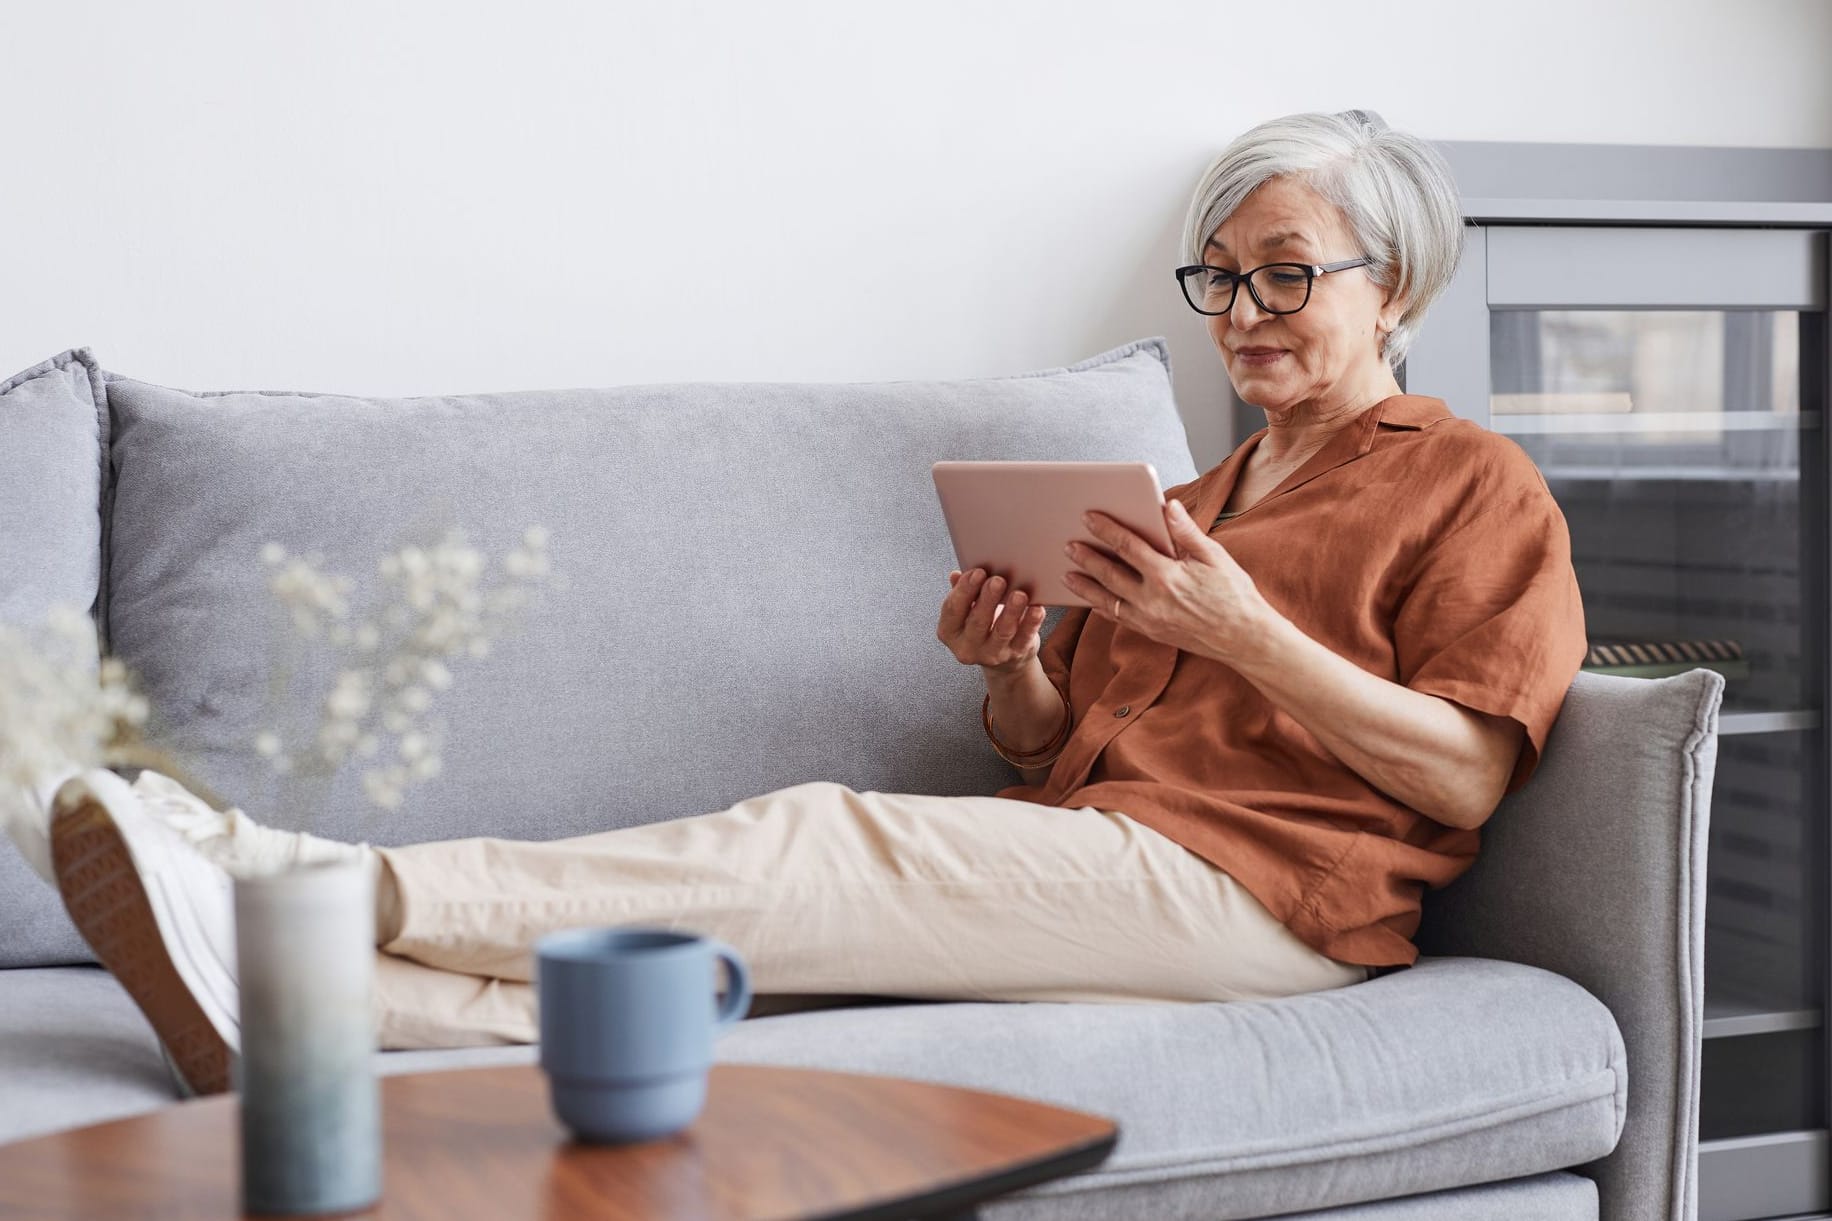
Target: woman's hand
[(980, 632), (1202, 601)]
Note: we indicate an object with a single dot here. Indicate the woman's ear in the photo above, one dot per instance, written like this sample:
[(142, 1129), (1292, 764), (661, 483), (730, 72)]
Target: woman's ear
[(1392, 309)]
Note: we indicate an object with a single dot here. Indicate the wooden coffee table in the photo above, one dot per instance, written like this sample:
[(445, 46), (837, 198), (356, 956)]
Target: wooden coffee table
[(482, 1143)]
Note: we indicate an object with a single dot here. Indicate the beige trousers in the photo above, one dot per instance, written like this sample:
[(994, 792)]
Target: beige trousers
[(828, 891)]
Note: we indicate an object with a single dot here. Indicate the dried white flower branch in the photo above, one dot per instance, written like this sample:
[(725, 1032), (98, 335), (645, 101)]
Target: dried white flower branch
[(59, 715), (391, 666)]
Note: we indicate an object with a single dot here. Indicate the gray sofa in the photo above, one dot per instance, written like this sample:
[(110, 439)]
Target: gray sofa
[(753, 573)]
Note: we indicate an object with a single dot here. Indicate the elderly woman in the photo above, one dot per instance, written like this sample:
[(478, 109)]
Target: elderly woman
[(1243, 766)]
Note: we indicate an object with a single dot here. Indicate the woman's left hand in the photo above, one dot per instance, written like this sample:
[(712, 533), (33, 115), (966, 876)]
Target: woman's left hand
[(1201, 601)]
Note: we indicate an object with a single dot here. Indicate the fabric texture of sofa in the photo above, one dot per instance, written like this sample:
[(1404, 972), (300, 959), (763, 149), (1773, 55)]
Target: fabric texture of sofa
[(752, 573)]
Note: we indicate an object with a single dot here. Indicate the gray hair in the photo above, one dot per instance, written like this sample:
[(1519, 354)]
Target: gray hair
[(1395, 190)]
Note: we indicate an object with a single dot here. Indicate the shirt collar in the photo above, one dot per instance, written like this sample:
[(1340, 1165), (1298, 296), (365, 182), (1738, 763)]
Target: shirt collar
[(1413, 411), (1410, 411)]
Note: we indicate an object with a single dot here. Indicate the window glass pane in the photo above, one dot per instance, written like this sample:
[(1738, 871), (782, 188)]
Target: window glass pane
[(1672, 440)]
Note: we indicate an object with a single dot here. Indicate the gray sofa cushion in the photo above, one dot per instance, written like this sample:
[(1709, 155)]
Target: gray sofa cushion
[(1557, 1196), (1453, 1072), (1543, 1197), (743, 560), (755, 572), (73, 1050), (53, 424)]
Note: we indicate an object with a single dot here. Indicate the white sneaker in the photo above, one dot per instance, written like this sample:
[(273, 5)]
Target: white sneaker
[(159, 915), (231, 839)]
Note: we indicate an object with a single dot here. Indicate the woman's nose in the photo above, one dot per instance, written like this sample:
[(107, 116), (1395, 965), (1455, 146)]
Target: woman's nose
[(1245, 313)]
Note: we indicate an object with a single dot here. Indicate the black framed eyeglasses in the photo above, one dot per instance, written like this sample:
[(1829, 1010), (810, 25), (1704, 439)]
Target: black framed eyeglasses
[(1277, 288)]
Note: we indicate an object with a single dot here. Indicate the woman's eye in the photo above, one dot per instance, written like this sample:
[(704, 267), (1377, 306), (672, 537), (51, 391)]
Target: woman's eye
[(1287, 279)]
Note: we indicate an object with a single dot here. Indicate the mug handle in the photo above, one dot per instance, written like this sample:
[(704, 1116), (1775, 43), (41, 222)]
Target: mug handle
[(737, 990)]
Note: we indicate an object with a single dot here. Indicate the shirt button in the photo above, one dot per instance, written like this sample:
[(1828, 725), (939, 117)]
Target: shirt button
[(1122, 710)]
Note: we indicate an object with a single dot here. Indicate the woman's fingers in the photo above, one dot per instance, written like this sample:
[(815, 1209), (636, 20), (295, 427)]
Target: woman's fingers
[(1033, 621), (990, 592), (955, 606), (971, 614), (1009, 620), (1099, 564)]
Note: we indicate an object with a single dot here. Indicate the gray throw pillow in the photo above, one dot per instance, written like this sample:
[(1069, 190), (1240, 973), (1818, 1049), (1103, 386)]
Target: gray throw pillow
[(53, 426)]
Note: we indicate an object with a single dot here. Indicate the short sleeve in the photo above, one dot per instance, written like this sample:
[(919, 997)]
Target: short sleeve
[(1492, 618), (1058, 650)]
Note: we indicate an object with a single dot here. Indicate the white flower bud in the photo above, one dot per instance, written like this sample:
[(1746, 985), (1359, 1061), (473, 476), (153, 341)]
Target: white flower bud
[(267, 743), (381, 789), (349, 699), (273, 554)]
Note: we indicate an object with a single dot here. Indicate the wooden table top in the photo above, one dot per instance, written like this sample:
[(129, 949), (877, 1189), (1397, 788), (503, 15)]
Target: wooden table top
[(483, 1143)]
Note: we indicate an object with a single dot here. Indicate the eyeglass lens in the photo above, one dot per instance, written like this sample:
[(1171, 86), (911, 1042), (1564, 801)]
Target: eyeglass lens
[(1281, 288)]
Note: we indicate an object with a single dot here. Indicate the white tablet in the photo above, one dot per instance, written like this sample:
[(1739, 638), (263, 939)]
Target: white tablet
[(1014, 518)]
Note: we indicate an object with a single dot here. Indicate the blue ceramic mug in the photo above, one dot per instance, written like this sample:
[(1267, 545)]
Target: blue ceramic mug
[(627, 1026)]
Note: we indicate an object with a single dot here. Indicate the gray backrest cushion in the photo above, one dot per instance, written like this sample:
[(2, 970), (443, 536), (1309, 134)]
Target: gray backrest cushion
[(755, 573), (53, 425), (1596, 870)]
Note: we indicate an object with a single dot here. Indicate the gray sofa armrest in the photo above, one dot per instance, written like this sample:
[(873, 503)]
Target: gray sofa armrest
[(1596, 870)]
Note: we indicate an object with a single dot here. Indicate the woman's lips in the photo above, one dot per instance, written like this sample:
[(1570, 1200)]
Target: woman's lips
[(1260, 358)]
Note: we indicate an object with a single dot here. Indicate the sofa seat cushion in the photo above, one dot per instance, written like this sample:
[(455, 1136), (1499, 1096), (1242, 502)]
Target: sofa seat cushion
[(73, 1051), (1453, 1072)]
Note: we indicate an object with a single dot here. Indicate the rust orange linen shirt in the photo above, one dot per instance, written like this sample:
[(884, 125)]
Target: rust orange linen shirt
[(1420, 546)]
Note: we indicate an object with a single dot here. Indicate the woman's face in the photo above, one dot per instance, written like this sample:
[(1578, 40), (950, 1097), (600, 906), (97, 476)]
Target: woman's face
[(1328, 353)]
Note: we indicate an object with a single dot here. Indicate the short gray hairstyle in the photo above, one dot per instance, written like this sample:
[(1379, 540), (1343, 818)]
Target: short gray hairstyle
[(1395, 190)]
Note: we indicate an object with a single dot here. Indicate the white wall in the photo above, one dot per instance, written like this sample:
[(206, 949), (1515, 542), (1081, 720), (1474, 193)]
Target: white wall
[(440, 196)]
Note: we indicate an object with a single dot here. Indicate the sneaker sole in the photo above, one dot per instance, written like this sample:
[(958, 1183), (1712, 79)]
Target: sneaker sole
[(110, 907)]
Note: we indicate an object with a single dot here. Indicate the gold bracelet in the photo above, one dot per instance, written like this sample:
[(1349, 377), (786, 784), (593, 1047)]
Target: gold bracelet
[(1035, 758)]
